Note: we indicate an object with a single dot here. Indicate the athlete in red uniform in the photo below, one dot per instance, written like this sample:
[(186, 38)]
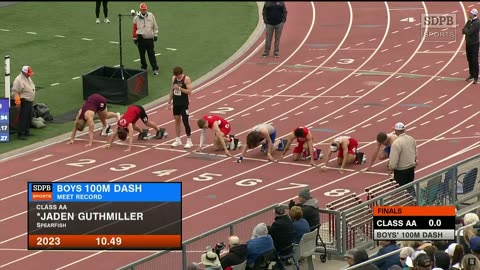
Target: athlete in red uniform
[(221, 127), (304, 145), (95, 104), (126, 125), (347, 150)]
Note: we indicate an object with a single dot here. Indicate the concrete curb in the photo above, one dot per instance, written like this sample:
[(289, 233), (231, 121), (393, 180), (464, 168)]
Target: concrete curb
[(66, 136)]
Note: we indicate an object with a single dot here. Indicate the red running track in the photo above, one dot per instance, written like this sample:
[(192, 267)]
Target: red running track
[(356, 75)]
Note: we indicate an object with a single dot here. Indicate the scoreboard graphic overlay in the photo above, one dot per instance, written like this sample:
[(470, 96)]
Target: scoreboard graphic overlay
[(414, 223), (97, 216), (4, 120)]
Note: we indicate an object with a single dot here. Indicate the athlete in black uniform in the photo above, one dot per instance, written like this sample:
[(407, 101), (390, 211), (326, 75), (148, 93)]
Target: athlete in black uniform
[(182, 88)]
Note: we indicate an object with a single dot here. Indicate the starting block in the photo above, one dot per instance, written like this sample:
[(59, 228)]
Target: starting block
[(360, 158), (144, 135), (282, 144), (234, 143)]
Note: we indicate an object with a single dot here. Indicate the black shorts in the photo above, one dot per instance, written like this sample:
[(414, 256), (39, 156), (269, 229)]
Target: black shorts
[(179, 109), (143, 114)]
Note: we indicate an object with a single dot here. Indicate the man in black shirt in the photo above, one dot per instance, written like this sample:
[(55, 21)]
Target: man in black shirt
[(182, 88), (274, 16), (470, 30)]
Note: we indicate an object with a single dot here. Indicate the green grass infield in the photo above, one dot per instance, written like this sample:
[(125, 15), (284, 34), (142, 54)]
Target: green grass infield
[(62, 42)]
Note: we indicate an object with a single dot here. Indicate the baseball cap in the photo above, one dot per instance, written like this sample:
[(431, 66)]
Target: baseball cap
[(143, 6), (475, 244), (423, 260), (399, 126), (474, 11), (441, 259), (451, 249), (280, 209), (410, 259), (28, 70)]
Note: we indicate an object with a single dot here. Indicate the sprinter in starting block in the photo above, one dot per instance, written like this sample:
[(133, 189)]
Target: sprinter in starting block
[(127, 124), (346, 149), (264, 134), (221, 127)]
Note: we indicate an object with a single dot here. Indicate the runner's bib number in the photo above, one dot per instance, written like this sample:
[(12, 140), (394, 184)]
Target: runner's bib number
[(177, 92)]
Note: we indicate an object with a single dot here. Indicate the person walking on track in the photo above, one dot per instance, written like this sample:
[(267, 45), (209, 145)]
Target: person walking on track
[(470, 30), (145, 33), (274, 17), (182, 88)]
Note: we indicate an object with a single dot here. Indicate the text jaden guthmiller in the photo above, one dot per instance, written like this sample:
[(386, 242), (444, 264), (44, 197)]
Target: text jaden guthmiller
[(116, 216)]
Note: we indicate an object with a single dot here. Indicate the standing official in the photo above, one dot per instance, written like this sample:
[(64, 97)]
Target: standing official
[(145, 32), (403, 156), (23, 91), (470, 30), (105, 11), (274, 17)]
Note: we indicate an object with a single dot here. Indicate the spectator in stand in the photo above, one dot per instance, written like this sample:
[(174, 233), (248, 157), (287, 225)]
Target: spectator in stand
[(475, 246), (470, 262), (193, 266), (456, 253), (349, 257), (299, 223), (361, 256), (309, 206), (470, 219), (237, 253), (410, 260), (430, 250), (468, 233), (440, 244), (387, 247), (422, 262), (404, 254), (211, 261), (260, 243), (282, 231), (441, 261)]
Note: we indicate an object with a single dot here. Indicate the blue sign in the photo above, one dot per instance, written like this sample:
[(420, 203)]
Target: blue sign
[(105, 192), (4, 120)]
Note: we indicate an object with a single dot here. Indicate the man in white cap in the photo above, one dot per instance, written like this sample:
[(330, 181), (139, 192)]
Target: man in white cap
[(403, 156), (23, 91), (470, 30), (145, 33)]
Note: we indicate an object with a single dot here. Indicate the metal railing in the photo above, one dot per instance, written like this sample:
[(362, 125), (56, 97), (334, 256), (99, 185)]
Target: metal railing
[(194, 247), (340, 230)]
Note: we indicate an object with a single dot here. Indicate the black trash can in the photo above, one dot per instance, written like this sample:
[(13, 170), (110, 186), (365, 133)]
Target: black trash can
[(118, 86)]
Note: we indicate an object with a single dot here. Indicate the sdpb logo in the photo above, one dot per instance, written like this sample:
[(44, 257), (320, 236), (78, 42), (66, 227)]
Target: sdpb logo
[(439, 27), (437, 20)]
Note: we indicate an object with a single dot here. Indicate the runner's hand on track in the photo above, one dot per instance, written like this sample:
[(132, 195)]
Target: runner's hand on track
[(70, 142), (88, 145)]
